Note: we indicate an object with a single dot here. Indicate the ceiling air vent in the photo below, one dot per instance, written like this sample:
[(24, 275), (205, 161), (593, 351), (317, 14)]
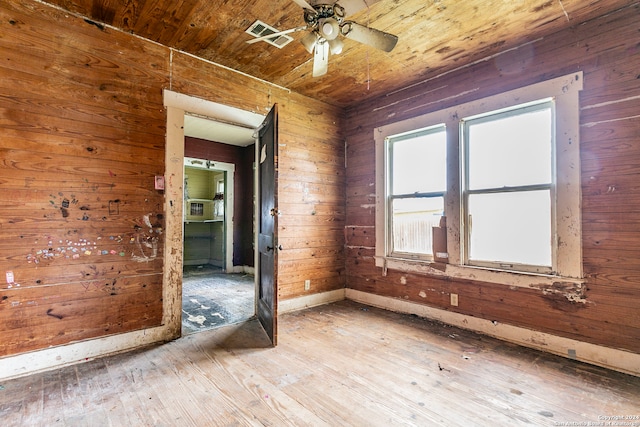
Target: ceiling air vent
[(259, 29)]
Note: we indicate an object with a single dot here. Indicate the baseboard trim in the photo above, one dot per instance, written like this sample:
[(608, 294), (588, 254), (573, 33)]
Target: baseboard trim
[(58, 357), (313, 300), (618, 360), (243, 269), (70, 354)]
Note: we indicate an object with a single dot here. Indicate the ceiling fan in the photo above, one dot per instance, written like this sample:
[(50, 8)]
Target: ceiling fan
[(325, 23)]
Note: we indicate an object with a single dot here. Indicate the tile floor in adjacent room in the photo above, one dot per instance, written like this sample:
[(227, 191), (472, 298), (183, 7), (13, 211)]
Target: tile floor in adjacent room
[(212, 298)]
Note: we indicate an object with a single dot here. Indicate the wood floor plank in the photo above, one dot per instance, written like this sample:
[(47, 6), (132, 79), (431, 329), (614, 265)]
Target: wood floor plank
[(316, 385), (215, 398), (380, 374), (52, 403), (394, 388), (137, 379), (247, 387), (98, 395), (342, 364), (32, 401)]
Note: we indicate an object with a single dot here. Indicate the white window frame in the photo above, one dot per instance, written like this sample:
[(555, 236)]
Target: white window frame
[(466, 191), (567, 188), (389, 170)]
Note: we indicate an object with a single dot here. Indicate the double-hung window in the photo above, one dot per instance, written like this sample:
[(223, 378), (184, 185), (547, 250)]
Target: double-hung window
[(417, 184), (508, 196), (505, 173)]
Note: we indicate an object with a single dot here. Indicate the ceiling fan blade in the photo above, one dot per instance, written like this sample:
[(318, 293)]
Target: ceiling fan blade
[(352, 6), (273, 35), (369, 36), (303, 4), (320, 59)]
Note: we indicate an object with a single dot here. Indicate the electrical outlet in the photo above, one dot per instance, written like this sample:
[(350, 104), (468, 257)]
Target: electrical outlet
[(307, 285), (454, 300)]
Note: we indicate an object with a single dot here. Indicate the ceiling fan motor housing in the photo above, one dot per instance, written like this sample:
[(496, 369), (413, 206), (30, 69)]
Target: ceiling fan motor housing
[(321, 13)]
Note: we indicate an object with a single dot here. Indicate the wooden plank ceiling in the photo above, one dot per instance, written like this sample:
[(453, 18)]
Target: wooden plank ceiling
[(435, 36)]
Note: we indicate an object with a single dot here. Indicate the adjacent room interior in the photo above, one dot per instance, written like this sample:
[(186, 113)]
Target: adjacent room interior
[(218, 286), (431, 208)]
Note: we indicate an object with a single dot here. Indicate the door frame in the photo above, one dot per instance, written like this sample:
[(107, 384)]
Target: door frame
[(177, 106)]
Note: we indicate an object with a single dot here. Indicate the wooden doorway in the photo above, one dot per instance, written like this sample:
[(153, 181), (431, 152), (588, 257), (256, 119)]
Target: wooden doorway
[(218, 282), (178, 105)]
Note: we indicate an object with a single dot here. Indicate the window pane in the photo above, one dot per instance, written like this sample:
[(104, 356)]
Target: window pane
[(419, 163), (511, 227), (512, 150), (412, 221)]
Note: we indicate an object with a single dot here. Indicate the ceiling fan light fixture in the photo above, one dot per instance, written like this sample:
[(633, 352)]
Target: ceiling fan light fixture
[(309, 41), (329, 28), (335, 46)]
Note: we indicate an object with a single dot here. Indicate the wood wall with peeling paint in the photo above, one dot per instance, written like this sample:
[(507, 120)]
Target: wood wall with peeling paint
[(607, 50), (82, 135)]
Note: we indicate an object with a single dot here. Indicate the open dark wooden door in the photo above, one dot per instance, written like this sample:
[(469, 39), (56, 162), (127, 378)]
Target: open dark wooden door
[(268, 225)]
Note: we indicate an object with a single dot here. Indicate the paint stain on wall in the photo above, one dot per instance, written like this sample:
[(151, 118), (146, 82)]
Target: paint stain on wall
[(141, 243)]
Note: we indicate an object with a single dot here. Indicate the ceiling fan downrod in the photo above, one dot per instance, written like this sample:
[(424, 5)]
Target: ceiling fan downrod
[(323, 11)]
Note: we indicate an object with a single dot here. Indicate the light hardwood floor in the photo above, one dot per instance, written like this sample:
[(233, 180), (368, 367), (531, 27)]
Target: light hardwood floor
[(342, 364)]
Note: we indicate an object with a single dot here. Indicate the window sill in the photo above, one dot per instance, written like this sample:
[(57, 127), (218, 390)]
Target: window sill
[(570, 287)]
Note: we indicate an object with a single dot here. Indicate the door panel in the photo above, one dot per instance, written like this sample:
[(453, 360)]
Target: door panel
[(268, 225)]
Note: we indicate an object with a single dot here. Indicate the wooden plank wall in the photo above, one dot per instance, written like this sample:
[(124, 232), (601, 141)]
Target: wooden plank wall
[(608, 51), (242, 158), (311, 173), (82, 135), (81, 140)]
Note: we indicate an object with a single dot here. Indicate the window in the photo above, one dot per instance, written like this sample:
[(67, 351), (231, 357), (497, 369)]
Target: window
[(417, 183), (196, 209), (505, 173), (507, 188)]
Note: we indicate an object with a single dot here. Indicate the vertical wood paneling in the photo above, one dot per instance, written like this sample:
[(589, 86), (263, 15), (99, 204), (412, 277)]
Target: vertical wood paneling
[(607, 50)]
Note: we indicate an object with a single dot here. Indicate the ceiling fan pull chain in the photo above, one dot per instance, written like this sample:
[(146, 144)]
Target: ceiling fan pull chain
[(368, 73), (368, 68)]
